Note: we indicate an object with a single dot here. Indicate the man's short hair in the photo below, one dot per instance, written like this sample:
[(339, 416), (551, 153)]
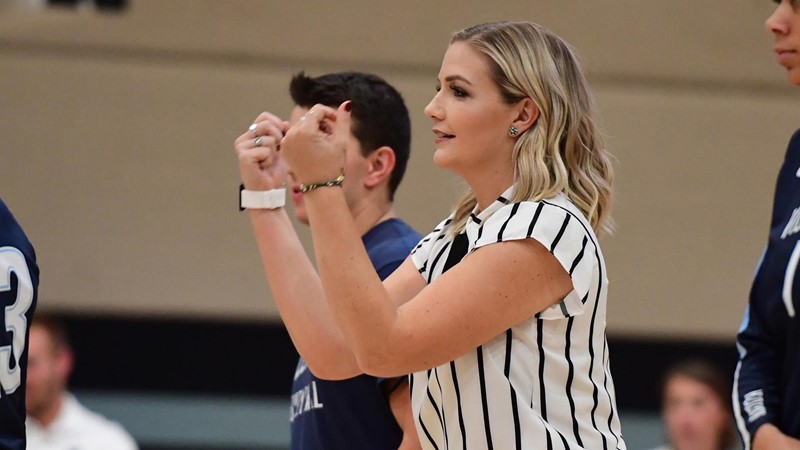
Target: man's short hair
[(380, 117), (54, 326)]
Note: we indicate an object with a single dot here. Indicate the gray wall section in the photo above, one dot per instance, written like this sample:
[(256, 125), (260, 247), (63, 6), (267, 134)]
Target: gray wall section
[(117, 135)]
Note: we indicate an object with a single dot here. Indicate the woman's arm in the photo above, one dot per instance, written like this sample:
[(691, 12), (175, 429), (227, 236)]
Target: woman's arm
[(495, 287), (294, 282), (492, 289)]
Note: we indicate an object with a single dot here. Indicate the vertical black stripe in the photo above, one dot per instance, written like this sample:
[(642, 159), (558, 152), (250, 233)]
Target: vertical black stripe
[(550, 438), (570, 378), (564, 441), (514, 407), (585, 228), (484, 401), (542, 392), (592, 357), (605, 384), (535, 219), (419, 416), (505, 224), (427, 433), (444, 414), (563, 307), (595, 388), (433, 402), (460, 413), (605, 345), (579, 257), (457, 252), (436, 260), (560, 233)]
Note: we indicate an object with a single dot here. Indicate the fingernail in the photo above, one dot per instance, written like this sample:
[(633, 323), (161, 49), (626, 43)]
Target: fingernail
[(348, 105), (253, 127)]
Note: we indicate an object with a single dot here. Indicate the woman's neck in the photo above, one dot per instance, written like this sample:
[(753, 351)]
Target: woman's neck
[(488, 187)]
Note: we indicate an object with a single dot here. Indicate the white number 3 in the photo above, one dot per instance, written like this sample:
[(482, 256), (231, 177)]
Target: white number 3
[(11, 260)]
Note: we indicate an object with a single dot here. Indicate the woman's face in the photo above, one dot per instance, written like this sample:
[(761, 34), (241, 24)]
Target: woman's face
[(470, 119), (694, 415), (784, 23)]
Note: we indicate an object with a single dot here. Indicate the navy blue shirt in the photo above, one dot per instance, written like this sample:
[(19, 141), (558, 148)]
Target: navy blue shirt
[(19, 281), (352, 414), (767, 384)]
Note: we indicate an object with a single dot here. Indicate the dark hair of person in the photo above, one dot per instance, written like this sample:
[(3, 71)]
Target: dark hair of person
[(55, 329), (380, 117), (712, 377)]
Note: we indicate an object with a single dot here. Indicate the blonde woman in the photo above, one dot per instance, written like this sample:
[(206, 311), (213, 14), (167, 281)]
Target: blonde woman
[(499, 313)]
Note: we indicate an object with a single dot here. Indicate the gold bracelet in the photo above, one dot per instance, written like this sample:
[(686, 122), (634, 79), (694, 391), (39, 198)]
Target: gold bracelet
[(309, 187)]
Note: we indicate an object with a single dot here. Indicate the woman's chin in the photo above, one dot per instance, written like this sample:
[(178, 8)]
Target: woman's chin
[(442, 159)]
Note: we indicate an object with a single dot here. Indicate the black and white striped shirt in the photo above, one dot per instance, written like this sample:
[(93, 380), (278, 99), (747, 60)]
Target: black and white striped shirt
[(544, 383)]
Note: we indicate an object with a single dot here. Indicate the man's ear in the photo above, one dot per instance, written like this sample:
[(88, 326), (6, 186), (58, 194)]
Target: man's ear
[(65, 361), (527, 115), (380, 165)]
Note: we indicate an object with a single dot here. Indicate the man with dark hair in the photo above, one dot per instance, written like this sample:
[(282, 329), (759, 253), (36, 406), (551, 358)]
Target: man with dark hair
[(19, 287), (334, 405), (381, 120), (56, 419)]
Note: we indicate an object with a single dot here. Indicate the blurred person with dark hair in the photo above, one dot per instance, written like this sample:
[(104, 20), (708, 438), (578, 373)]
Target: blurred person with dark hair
[(56, 420), (19, 287), (767, 383), (696, 407), (334, 404)]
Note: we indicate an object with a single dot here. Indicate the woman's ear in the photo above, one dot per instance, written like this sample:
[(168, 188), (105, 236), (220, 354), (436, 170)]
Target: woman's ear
[(527, 114), (381, 163)]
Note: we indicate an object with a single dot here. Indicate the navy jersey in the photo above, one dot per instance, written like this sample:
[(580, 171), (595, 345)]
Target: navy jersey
[(19, 281), (767, 381), (351, 414)]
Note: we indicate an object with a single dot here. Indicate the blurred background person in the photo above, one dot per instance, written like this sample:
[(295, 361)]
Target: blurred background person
[(696, 407), (56, 420), (19, 286), (767, 383)]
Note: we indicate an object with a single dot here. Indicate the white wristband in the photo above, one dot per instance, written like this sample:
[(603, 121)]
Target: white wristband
[(271, 199)]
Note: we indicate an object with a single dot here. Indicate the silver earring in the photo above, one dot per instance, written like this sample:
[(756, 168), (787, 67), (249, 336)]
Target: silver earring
[(513, 131)]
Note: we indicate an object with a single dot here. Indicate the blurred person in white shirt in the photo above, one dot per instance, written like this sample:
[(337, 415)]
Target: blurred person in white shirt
[(56, 420)]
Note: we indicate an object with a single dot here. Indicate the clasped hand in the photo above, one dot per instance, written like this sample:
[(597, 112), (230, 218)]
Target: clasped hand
[(314, 148)]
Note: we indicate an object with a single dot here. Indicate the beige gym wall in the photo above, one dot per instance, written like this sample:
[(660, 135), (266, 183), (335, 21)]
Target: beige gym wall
[(116, 141)]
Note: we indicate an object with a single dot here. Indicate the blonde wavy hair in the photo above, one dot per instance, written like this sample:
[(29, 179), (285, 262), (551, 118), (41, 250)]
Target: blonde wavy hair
[(564, 151)]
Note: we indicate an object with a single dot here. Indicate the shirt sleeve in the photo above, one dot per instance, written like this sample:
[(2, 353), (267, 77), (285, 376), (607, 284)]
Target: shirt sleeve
[(559, 230), (756, 394), (422, 251)]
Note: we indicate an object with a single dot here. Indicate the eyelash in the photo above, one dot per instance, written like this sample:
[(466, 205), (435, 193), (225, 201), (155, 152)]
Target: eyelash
[(457, 91)]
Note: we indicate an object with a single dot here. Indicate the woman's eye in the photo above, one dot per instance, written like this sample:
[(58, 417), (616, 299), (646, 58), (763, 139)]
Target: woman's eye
[(458, 92)]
